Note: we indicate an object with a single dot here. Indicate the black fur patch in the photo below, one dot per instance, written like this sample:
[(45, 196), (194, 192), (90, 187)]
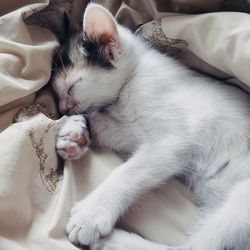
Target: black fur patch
[(61, 58), (95, 54)]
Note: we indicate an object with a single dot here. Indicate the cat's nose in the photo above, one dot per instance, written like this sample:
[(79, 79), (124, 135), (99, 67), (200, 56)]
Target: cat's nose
[(63, 107), (63, 111), (67, 107)]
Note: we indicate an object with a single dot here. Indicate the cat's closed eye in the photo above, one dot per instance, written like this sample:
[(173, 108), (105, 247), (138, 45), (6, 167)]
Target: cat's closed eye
[(70, 90), (72, 85)]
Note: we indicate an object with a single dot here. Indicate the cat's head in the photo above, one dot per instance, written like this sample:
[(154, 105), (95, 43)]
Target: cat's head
[(93, 64)]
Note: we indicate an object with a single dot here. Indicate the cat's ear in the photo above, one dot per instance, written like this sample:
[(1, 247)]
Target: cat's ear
[(101, 28), (64, 26)]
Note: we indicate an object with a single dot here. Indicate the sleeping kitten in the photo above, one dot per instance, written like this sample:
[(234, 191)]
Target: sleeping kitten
[(171, 121)]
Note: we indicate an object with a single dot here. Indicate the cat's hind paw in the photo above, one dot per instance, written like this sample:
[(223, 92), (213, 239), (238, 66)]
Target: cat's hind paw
[(73, 138)]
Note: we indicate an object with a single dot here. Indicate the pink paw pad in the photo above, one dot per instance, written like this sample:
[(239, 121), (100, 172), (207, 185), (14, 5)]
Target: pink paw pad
[(70, 149), (78, 138)]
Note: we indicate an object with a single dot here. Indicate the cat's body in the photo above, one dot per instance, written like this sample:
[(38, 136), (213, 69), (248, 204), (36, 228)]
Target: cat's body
[(213, 117), (171, 121)]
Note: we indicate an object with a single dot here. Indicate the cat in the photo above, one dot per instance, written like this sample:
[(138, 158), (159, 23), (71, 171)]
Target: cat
[(169, 120)]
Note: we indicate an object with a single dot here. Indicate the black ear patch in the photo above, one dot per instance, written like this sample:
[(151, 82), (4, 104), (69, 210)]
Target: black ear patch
[(95, 52), (65, 27), (61, 59), (64, 32)]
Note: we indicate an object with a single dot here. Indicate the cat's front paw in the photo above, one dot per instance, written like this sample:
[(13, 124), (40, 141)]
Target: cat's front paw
[(120, 240), (73, 138), (88, 223)]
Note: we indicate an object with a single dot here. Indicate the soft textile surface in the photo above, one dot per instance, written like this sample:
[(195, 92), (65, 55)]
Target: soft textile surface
[(36, 196)]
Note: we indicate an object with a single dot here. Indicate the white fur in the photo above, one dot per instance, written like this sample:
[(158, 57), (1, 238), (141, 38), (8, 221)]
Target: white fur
[(172, 121)]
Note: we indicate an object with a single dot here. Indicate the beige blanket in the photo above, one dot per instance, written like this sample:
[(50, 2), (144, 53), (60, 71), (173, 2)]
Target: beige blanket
[(36, 195)]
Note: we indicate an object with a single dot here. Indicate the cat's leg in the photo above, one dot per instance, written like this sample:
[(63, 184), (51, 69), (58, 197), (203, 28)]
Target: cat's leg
[(122, 240), (228, 227), (72, 138), (152, 164)]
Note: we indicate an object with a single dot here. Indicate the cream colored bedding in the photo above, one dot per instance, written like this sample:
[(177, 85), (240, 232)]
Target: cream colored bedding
[(35, 197)]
